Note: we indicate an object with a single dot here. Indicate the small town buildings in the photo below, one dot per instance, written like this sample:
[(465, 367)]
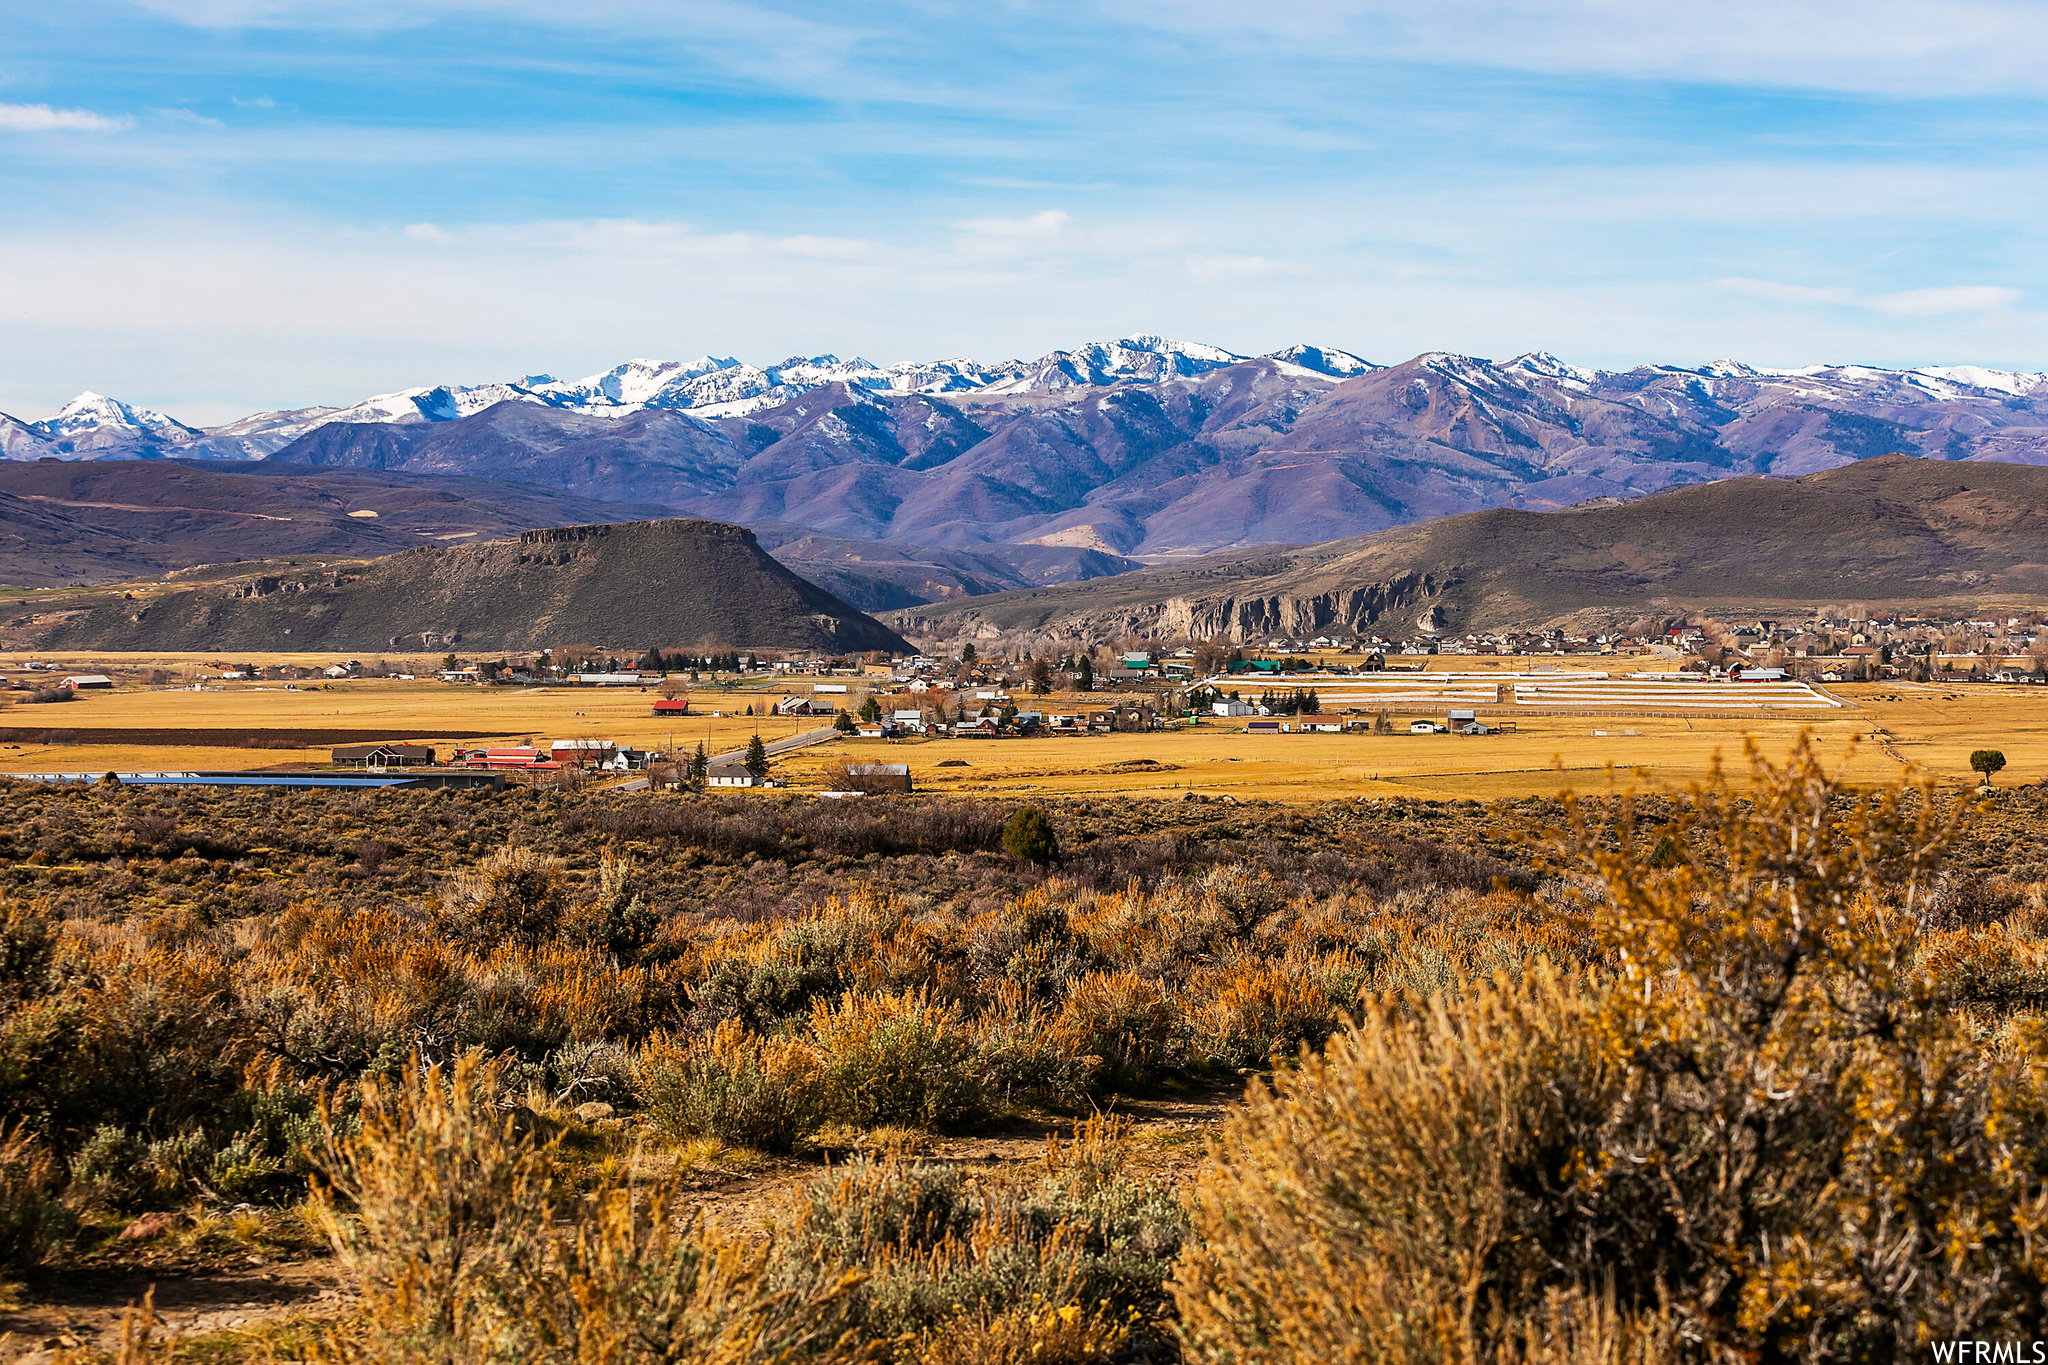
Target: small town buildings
[(1231, 708), (1424, 727), (387, 755), (1125, 720), (81, 681), (794, 706), (672, 706), (731, 775)]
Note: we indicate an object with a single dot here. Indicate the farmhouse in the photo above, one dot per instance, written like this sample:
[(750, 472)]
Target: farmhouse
[(384, 755), (794, 706), (583, 753), (672, 706), (731, 775), (1125, 720)]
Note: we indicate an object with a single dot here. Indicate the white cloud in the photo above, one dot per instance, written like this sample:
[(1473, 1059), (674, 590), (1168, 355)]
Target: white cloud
[(1909, 303), (41, 118), (187, 116)]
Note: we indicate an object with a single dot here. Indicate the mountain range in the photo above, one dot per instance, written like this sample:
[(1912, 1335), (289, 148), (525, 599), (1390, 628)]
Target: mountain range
[(1892, 530), (1139, 447)]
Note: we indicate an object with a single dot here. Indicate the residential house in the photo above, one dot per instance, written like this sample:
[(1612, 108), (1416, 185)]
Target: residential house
[(731, 775), (388, 755)]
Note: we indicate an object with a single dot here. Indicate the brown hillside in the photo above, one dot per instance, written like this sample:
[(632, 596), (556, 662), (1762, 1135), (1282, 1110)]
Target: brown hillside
[(636, 584), (1894, 529)]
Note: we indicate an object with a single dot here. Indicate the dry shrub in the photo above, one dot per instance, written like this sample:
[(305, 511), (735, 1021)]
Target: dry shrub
[(1126, 1020), (1368, 1206), (515, 893), (1245, 1011), (901, 1057), (32, 1221), (467, 1249), (1768, 1125), (732, 1085), (1065, 1263)]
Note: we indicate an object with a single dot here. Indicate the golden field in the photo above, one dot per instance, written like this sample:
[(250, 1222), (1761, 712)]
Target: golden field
[(1892, 724)]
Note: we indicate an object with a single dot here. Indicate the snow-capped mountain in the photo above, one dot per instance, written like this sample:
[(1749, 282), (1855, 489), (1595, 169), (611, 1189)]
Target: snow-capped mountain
[(1142, 445), (712, 387)]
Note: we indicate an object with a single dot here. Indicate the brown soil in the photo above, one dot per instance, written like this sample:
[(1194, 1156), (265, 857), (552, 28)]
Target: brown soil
[(85, 1309)]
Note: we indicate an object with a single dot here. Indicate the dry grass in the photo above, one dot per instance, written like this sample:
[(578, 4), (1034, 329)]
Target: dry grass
[(1927, 724)]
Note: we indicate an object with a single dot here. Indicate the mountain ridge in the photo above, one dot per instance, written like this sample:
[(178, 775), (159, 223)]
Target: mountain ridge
[(663, 584), (1148, 447), (1894, 530)]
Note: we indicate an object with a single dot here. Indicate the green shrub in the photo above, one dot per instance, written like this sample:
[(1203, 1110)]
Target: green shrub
[(107, 1168), (1028, 835), (32, 1221), (732, 1085)]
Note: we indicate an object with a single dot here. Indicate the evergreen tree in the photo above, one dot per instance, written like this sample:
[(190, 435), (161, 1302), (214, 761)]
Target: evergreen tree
[(700, 767), (1085, 675), (757, 759)]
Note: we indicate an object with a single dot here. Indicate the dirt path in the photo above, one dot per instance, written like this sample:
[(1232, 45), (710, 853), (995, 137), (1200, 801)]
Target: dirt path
[(85, 1309), (1168, 1140)]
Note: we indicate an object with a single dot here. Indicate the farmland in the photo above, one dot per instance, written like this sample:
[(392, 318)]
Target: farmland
[(1569, 726)]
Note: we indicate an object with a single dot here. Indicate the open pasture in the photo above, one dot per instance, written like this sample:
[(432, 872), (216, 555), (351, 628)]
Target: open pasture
[(1220, 759), (265, 717), (1575, 730)]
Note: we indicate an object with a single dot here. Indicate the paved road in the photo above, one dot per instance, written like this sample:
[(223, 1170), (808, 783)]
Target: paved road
[(787, 744)]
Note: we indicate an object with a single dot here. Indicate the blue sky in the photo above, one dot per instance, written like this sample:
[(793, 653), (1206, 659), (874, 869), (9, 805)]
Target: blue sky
[(215, 206)]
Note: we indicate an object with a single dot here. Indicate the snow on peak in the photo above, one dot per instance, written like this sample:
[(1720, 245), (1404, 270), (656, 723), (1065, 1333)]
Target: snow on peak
[(1325, 360), (94, 412), (2009, 382), (1543, 364)]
